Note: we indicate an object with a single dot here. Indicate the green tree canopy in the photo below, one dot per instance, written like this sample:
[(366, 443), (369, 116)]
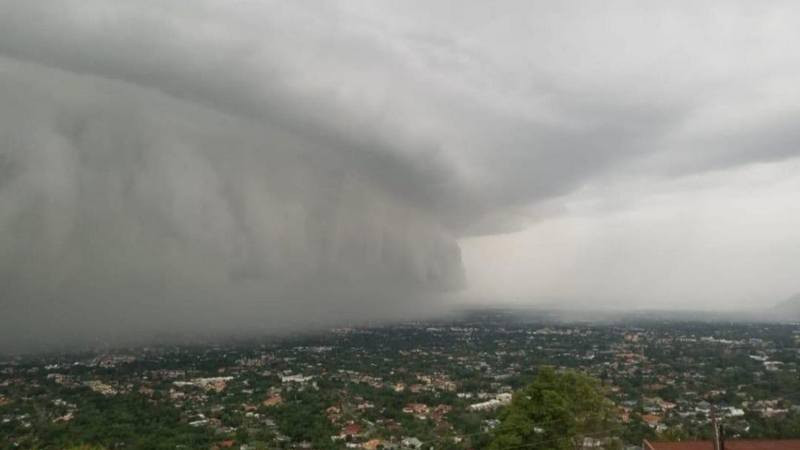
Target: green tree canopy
[(556, 411)]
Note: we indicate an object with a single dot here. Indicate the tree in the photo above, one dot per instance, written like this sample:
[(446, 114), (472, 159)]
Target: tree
[(556, 411)]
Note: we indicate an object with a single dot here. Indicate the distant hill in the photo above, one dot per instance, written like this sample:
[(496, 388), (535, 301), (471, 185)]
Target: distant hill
[(786, 311), (790, 306), (791, 302)]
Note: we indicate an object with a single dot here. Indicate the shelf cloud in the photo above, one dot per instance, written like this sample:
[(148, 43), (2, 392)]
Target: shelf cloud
[(257, 166)]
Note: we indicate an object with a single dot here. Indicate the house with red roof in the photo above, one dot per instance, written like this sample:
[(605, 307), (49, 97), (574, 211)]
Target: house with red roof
[(351, 430), (727, 444)]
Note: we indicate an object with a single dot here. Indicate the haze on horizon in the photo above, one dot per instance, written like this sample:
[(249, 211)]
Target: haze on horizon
[(261, 166)]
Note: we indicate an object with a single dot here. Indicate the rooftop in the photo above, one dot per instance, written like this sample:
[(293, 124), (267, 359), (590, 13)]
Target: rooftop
[(732, 444)]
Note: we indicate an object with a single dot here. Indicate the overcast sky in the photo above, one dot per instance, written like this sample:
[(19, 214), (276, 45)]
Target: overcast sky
[(253, 165)]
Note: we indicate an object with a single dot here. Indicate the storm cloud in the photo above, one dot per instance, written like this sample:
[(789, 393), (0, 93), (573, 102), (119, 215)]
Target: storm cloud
[(259, 166)]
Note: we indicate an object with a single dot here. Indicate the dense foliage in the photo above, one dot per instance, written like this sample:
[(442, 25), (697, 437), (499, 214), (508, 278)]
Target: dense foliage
[(556, 411)]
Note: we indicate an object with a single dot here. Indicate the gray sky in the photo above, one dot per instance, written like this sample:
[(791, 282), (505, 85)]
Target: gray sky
[(256, 165)]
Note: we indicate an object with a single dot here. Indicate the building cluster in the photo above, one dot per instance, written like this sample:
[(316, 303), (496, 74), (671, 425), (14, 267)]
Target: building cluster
[(418, 385)]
